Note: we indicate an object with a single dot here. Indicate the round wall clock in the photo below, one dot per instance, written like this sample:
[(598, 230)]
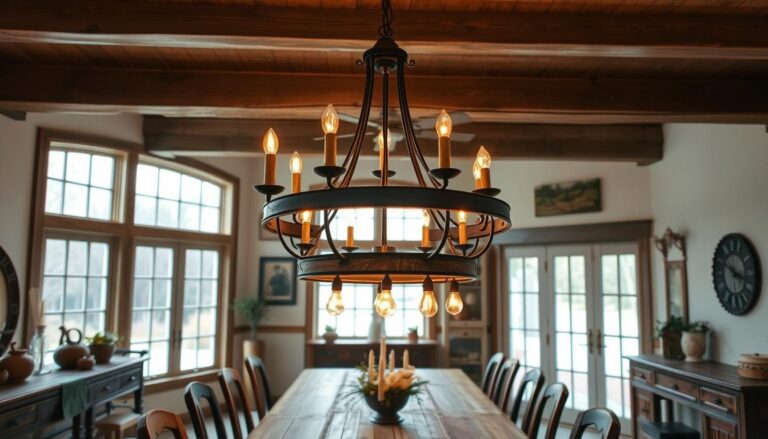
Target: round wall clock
[(736, 274)]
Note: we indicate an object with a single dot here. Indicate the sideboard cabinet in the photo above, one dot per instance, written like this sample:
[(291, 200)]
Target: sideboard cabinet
[(351, 353), (730, 407)]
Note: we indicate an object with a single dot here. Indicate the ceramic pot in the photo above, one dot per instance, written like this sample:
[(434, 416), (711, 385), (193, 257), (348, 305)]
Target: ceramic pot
[(85, 363), (102, 352), (753, 366), (18, 364), (694, 344), (385, 412), (670, 344), (69, 350), (413, 337), (330, 337), (3, 376)]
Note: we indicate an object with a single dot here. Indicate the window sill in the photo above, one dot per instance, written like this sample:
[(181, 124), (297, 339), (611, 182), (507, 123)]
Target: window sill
[(179, 381)]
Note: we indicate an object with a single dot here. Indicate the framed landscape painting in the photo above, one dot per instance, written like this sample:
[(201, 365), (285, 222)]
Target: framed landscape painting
[(277, 281), (567, 198)]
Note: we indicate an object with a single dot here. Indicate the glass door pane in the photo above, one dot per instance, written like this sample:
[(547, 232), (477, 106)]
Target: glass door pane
[(573, 359), (201, 297), (619, 335)]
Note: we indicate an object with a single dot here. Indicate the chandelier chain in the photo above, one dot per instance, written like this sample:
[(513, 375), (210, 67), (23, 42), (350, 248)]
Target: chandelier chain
[(385, 30)]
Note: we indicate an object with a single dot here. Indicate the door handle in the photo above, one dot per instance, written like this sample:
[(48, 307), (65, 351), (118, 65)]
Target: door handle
[(589, 341), (600, 344)]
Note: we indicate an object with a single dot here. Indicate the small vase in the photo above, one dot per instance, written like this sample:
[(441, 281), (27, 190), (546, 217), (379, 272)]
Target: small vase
[(18, 364), (694, 344), (37, 350), (413, 337), (102, 352), (385, 412), (330, 337)]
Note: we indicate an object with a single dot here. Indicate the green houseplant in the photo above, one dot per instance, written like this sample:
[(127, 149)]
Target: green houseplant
[(694, 340), (253, 310), (330, 334), (413, 334), (102, 346), (671, 332)]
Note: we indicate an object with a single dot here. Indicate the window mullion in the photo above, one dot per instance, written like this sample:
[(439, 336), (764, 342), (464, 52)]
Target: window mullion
[(177, 307)]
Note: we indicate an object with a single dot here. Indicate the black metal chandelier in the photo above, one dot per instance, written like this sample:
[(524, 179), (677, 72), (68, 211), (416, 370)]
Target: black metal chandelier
[(464, 222)]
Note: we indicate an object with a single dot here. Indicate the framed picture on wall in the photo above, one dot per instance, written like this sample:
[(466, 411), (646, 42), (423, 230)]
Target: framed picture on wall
[(677, 289), (277, 281)]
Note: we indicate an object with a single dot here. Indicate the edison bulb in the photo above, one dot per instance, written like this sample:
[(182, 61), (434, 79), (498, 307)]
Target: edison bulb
[(270, 142), (295, 164), (428, 304), (380, 139), (385, 304), (483, 159), (462, 216), (330, 120), (443, 124), (453, 303), (425, 219), (476, 170), (306, 216), (335, 305)]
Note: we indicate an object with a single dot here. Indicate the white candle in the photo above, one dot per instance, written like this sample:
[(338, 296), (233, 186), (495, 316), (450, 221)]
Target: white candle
[(383, 347), (371, 363), (382, 367), (406, 360), (392, 361)]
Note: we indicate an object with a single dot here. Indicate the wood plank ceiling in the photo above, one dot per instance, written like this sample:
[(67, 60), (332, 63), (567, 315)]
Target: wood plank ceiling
[(533, 61)]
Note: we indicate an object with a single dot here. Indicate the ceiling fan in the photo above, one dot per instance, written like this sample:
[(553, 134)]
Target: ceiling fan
[(424, 128)]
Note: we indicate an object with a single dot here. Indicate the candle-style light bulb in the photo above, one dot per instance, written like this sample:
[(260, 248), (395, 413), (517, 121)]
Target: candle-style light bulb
[(428, 303), (382, 150), (425, 219), (462, 218), (335, 305), (384, 303), (444, 126), (270, 145), (330, 123), (296, 165), (483, 162), (476, 173), (306, 224), (453, 303)]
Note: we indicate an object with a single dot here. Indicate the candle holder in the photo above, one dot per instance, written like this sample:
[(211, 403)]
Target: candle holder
[(377, 173), (385, 412), (329, 171), (463, 248), (444, 174), (349, 249), (305, 248), (489, 191), (269, 190)]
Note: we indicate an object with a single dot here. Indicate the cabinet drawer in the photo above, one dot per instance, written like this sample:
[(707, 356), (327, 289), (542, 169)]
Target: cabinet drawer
[(677, 386), (644, 404), (716, 429), (644, 375), (18, 419), (718, 400)]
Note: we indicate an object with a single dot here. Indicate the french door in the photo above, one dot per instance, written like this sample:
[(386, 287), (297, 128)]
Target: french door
[(573, 312)]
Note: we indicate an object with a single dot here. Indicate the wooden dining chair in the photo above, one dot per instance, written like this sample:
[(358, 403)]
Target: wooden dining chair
[(604, 420), (504, 381), (232, 388), (193, 396), (155, 422), (558, 394), (491, 370), (257, 373), (534, 379)]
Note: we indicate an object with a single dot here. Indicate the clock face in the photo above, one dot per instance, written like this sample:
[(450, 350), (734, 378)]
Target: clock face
[(736, 274)]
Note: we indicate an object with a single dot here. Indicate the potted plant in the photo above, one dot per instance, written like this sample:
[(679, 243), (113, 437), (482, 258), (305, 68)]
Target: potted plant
[(670, 333), (102, 346), (693, 341), (253, 310), (413, 334), (330, 334)]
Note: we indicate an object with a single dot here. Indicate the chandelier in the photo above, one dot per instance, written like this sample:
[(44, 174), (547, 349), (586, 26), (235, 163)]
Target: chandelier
[(458, 226)]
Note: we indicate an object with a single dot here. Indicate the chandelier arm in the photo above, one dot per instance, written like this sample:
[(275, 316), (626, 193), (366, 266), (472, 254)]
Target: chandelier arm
[(282, 241), (443, 240), (485, 248), (350, 162), (329, 238), (410, 135)]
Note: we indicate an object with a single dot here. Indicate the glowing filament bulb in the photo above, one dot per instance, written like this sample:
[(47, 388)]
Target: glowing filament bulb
[(428, 303), (296, 165), (306, 216), (306, 226), (462, 216), (330, 120), (425, 218), (476, 170), (443, 124), (335, 305), (483, 159), (270, 142), (384, 303), (453, 304)]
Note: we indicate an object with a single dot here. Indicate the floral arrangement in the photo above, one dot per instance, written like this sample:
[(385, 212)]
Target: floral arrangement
[(388, 385)]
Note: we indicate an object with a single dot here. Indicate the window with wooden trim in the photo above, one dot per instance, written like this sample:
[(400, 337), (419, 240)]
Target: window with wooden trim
[(155, 270)]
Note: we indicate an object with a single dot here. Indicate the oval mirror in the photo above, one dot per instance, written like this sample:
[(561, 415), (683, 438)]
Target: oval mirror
[(9, 301)]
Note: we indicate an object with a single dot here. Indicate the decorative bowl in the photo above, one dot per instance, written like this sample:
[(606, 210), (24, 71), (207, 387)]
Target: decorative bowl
[(385, 412)]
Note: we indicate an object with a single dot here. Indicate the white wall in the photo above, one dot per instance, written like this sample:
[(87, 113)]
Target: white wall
[(713, 181)]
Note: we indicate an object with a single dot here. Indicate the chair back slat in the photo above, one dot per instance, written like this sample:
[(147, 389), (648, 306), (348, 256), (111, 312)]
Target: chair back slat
[(504, 381), (534, 379), (257, 373), (491, 370), (604, 420), (155, 422), (558, 394), (232, 389), (194, 394)]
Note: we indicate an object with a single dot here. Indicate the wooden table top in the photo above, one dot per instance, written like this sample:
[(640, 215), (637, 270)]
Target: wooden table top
[(318, 405)]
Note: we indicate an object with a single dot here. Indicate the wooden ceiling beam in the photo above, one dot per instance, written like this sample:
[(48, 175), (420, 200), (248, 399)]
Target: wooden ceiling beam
[(641, 143), (171, 24), (32, 88)]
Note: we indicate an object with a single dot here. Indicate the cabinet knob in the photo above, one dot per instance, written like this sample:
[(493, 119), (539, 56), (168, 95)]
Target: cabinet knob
[(674, 386), (718, 401)]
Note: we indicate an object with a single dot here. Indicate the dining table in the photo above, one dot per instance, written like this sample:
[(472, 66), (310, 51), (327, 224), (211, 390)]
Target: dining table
[(321, 403)]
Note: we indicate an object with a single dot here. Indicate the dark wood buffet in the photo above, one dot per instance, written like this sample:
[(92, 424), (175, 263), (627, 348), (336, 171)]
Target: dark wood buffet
[(31, 408), (350, 353), (728, 405)]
